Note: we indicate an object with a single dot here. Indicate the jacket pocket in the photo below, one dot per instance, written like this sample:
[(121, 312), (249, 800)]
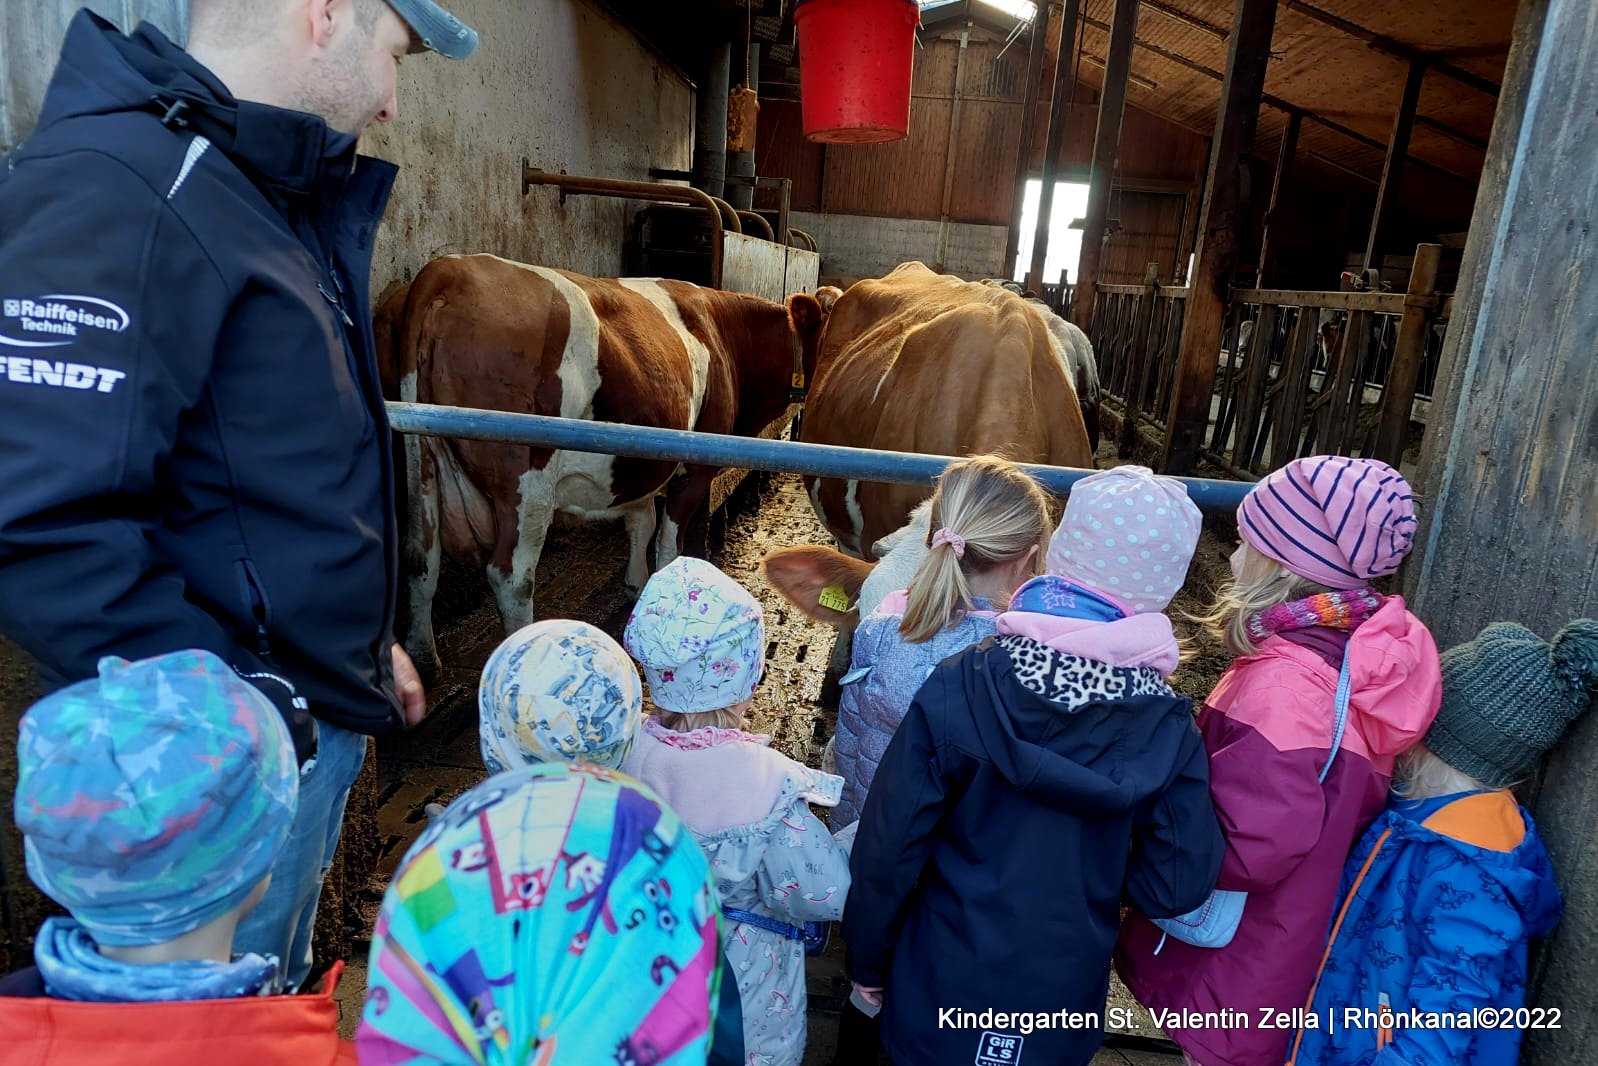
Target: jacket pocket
[(258, 609)]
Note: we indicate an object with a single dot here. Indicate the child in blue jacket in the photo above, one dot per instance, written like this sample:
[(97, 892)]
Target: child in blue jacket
[(1443, 892)]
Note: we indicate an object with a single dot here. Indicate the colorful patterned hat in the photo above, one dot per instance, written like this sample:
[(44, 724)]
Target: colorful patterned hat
[(700, 637), (153, 798), (556, 691)]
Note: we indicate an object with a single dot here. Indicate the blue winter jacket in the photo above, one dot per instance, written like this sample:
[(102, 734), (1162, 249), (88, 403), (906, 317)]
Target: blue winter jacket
[(192, 433), (1025, 796), (1434, 918)]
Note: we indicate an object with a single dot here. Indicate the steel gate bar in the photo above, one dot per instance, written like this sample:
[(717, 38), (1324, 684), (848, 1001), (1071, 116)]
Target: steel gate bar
[(725, 450)]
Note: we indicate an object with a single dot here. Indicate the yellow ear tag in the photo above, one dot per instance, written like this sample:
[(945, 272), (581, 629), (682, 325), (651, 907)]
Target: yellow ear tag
[(834, 597)]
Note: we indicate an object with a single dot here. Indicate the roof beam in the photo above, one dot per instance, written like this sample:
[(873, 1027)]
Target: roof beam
[(1282, 105), (1393, 47), (1445, 130), (1220, 33)]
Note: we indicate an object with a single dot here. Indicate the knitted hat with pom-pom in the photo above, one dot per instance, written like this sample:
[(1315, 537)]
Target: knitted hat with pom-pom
[(1509, 695)]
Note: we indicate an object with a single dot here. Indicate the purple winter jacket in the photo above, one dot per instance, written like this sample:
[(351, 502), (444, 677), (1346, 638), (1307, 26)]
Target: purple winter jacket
[(1268, 729)]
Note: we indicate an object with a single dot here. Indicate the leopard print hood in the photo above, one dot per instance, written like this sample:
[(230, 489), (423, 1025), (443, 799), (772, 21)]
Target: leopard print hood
[(1077, 733)]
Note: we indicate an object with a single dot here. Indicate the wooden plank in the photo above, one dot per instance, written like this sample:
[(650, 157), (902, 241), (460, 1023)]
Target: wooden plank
[(1508, 476), (1036, 48), (1398, 394), (1387, 194), (1293, 389), (1251, 394), (1064, 83), (1343, 418), (1224, 216), (1284, 164), (1144, 355), (1106, 147), (952, 156), (1390, 303)]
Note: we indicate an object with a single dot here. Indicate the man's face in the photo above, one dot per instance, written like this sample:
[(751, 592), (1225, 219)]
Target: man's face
[(353, 84)]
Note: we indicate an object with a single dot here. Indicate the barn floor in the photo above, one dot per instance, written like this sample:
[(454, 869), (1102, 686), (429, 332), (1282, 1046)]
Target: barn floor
[(580, 577)]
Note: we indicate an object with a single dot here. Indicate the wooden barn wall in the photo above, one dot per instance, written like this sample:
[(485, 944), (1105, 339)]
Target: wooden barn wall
[(905, 179)]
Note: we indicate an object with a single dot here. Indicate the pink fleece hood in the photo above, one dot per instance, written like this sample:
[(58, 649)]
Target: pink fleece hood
[(1139, 641)]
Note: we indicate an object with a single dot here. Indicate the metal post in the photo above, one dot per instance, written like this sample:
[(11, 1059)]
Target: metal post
[(741, 165), (1106, 149), (710, 123)]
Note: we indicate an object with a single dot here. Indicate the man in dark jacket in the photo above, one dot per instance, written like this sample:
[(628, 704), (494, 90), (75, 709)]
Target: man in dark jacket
[(1026, 794), (192, 435)]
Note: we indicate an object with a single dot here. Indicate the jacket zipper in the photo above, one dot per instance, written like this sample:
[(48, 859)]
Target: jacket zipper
[(338, 304), (258, 609)]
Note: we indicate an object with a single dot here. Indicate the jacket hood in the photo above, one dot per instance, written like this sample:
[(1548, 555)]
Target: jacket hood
[(103, 72), (1074, 733), (1141, 640), (1498, 839), (1395, 678)]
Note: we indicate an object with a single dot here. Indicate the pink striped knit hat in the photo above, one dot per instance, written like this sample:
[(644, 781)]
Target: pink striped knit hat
[(1335, 521)]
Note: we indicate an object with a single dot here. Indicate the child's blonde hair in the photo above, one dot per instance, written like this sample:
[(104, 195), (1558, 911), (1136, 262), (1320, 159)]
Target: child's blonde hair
[(680, 722), (998, 512), (1240, 599), (1420, 774)]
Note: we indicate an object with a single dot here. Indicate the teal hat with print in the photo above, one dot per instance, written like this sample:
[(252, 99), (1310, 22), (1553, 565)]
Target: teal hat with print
[(1509, 695), (153, 798)]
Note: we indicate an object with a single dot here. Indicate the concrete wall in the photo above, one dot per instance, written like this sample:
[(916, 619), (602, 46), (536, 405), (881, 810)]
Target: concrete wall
[(558, 81), (861, 246)]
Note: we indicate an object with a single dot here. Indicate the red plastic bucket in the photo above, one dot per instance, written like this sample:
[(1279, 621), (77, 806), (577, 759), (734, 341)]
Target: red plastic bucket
[(855, 61)]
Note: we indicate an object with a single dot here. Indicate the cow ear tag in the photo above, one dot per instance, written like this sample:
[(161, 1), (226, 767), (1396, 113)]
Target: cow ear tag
[(834, 597)]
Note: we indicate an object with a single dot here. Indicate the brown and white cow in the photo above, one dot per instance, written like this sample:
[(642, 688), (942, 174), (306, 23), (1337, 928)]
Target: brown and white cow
[(923, 362), (481, 331)]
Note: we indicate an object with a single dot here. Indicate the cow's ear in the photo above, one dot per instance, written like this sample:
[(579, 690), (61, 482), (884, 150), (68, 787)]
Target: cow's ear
[(822, 582), (805, 314)]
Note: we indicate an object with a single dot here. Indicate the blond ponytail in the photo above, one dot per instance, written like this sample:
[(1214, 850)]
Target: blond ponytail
[(985, 513)]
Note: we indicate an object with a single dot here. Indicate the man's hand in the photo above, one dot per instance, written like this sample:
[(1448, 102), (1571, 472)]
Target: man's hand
[(408, 686)]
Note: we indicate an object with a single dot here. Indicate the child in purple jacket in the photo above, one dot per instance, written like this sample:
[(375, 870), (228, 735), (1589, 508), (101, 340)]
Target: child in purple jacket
[(1292, 792)]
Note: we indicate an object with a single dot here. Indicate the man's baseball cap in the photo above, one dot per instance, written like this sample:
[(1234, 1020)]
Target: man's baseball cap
[(436, 29)]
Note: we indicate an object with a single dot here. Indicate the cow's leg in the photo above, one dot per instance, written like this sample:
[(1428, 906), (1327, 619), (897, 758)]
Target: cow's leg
[(640, 521), (519, 545), (423, 551), (686, 493)]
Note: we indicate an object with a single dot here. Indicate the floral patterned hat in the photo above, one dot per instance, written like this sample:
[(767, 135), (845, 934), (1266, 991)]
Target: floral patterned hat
[(700, 637)]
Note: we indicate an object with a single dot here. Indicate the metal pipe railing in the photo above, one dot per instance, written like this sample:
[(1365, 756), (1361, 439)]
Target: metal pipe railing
[(760, 222), (725, 450), (802, 235), (583, 185)]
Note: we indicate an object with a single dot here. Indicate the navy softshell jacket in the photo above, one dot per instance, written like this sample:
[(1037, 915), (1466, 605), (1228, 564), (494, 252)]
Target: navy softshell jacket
[(1001, 835), (193, 445)]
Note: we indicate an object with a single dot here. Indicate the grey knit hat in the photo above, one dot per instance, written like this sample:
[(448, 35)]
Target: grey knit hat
[(1509, 695)]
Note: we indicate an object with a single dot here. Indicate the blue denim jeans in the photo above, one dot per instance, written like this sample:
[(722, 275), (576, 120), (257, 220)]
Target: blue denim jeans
[(282, 923)]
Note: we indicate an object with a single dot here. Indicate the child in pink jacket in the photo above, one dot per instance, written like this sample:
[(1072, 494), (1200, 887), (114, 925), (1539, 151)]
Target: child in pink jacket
[(1315, 533)]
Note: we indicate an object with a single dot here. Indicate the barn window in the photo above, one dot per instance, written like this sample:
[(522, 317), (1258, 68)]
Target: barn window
[(1065, 243)]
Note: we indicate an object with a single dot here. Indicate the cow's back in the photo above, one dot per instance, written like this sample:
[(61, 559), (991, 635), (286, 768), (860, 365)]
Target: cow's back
[(920, 362)]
